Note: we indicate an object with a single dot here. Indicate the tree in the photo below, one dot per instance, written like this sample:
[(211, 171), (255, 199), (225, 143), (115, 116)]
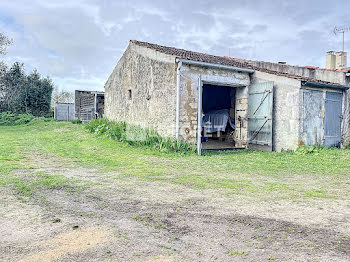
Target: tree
[(3, 70), (30, 94), (14, 84), (61, 96), (4, 43), (38, 93), (21, 93)]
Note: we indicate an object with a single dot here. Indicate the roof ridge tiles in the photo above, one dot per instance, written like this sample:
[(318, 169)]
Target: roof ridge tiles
[(224, 60)]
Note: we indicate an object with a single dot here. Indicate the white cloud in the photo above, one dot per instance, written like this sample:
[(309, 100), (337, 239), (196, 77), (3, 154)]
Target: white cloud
[(78, 42)]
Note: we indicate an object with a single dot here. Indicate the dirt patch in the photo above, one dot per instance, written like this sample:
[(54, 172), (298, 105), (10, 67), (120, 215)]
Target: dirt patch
[(67, 243), (133, 220), (161, 259)]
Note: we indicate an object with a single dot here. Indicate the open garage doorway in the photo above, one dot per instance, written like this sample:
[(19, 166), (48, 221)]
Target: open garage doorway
[(218, 117)]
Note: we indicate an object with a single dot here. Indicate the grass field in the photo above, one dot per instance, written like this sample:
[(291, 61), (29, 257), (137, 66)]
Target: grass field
[(242, 172), (286, 186)]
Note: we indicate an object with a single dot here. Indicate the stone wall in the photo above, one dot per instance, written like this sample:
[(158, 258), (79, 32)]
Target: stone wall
[(142, 90), (286, 110)]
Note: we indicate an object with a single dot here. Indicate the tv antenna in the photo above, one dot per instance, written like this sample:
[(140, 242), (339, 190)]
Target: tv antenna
[(343, 29)]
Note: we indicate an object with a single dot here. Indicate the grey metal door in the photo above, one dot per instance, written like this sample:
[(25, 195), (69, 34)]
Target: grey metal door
[(333, 117), (313, 117), (260, 106)]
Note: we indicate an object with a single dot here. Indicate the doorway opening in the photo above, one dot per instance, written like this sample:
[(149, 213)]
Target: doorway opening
[(218, 117)]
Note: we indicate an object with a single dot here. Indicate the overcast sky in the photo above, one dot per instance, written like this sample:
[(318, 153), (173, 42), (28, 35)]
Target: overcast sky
[(79, 42)]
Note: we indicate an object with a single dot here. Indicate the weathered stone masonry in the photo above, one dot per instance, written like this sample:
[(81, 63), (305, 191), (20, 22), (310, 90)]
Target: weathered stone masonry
[(142, 91)]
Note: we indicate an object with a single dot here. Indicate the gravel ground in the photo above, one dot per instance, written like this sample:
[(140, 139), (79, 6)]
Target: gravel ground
[(100, 218)]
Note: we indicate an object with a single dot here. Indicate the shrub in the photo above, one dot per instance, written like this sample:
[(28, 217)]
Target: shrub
[(76, 121), (137, 136), (93, 124), (304, 150), (9, 119), (48, 119)]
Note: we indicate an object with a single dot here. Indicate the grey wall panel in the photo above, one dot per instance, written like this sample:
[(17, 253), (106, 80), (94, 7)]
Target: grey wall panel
[(64, 112)]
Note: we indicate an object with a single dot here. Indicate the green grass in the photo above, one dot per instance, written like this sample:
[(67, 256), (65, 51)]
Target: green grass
[(28, 184), (324, 175), (235, 252), (52, 181), (319, 193)]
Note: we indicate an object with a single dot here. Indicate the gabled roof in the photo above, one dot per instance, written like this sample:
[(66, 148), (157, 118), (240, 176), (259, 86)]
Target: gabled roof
[(223, 60), (190, 55)]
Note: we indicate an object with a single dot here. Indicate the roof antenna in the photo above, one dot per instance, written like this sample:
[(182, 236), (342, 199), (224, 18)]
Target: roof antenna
[(342, 30)]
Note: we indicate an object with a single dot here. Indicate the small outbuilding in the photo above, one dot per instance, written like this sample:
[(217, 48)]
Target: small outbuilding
[(223, 102), (89, 105), (64, 111)]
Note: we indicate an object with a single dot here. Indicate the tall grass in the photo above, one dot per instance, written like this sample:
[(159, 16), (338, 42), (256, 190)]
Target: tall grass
[(138, 136)]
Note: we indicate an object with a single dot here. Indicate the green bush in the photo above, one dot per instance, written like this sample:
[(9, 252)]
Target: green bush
[(9, 119), (49, 119), (137, 136), (93, 124), (76, 121), (305, 150)]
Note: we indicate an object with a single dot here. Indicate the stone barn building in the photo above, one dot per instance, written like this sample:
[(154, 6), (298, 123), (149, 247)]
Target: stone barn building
[(223, 102)]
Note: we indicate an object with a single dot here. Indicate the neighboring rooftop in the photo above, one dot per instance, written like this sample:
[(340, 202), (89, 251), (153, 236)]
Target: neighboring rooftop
[(228, 61), (344, 70)]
